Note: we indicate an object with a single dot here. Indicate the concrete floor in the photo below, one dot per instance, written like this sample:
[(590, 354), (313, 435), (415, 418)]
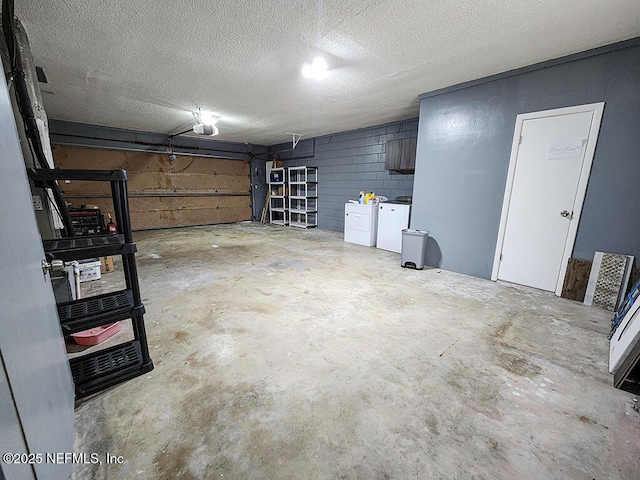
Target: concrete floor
[(283, 353)]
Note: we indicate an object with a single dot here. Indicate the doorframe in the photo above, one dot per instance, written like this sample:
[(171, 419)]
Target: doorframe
[(597, 109)]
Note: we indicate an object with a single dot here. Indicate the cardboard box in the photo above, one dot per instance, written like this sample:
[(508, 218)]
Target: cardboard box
[(106, 264)]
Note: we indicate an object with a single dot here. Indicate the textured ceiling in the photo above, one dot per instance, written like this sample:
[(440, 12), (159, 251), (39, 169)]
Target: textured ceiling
[(147, 64)]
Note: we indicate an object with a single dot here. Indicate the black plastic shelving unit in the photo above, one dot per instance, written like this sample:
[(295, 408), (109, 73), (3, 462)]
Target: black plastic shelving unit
[(97, 371)]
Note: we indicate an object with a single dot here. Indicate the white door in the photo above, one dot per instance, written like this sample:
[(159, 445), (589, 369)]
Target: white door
[(36, 388), (550, 164)]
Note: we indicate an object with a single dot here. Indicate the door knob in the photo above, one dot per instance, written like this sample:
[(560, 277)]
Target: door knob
[(564, 214)]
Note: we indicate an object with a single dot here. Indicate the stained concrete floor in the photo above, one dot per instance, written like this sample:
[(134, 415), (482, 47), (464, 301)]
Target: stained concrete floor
[(282, 353)]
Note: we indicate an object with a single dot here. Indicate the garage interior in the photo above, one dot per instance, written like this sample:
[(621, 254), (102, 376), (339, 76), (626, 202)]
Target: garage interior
[(284, 352)]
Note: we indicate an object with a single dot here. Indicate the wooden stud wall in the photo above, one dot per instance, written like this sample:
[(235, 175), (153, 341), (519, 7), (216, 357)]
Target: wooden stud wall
[(162, 193)]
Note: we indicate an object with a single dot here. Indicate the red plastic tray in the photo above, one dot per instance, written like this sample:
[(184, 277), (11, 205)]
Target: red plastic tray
[(97, 335)]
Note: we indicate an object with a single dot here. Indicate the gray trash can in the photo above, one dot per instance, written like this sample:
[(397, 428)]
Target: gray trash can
[(414, 248)]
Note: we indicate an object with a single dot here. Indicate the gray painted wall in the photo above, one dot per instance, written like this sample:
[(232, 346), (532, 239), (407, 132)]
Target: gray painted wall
[(464, 144), (349, 162), (258, 180)]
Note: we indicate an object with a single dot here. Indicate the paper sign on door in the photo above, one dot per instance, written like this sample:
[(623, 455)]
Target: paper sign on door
[(568, 149)]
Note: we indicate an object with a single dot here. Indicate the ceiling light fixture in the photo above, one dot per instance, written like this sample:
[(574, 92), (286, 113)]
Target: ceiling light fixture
[(316, 70), (204, 129), (208, 118), (205, 123)]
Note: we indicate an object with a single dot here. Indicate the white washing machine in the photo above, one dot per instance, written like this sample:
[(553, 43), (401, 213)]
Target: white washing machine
[(393, 217), (626, 336)]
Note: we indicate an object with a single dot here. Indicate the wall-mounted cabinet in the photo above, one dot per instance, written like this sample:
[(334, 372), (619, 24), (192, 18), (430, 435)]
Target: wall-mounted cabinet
[(401, 155)]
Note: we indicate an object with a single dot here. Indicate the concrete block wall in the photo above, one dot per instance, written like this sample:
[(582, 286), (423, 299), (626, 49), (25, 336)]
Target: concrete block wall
[(349, 162)]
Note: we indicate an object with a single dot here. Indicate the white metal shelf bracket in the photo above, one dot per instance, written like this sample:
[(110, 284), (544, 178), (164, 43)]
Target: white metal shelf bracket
[(295, 138)]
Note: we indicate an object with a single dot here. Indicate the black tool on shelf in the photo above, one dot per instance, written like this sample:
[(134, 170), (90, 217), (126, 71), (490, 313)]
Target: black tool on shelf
[(87, 221), (97, 371)]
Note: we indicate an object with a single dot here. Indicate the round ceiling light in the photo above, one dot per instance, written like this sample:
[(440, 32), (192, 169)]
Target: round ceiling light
[(316, 70), (205, 123), (205, 129)]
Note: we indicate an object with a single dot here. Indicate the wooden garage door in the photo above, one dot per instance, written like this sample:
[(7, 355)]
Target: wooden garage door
[(162, 193)]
